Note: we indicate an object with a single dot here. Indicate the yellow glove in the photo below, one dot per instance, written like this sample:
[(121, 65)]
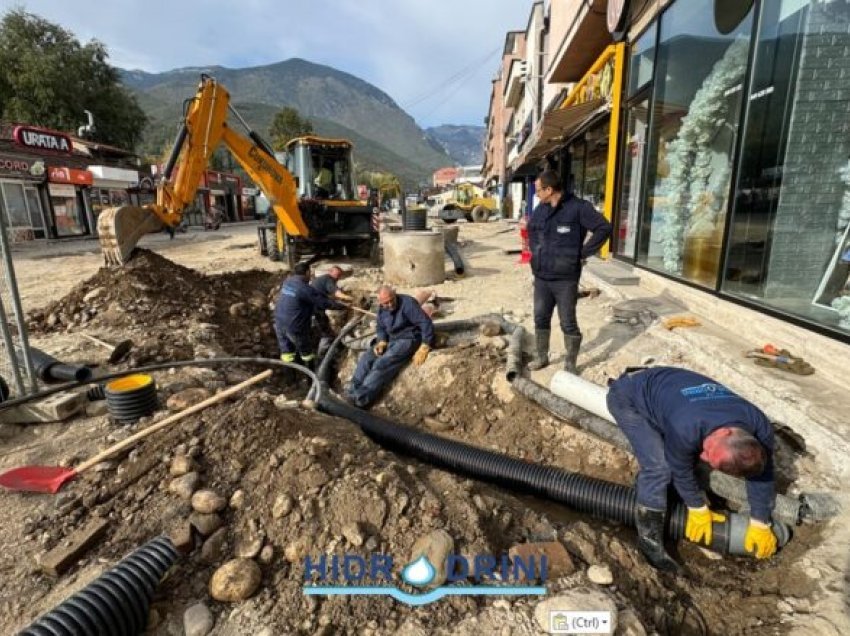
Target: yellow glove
[(698, 527), (380, 348), (760, 540), (287, 357), (421, 355)]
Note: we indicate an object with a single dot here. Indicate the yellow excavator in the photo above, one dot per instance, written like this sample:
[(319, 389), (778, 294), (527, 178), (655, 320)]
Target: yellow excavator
[(204, 128)]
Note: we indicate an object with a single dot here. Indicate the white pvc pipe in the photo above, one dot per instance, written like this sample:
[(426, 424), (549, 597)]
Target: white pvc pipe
[(582, 393)]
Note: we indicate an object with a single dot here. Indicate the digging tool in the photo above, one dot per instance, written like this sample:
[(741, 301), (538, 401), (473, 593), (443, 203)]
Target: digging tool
[(118, 351), (365, 312), (50, 479)]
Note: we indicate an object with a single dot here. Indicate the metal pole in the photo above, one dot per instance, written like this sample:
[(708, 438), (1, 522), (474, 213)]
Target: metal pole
[(10, 347), (16, 301)]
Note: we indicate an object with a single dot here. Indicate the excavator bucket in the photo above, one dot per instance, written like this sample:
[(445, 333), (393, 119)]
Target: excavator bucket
[(121, 228)]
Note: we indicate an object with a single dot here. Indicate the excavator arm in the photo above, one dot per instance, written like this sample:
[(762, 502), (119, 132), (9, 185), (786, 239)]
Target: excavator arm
[(204, 129)]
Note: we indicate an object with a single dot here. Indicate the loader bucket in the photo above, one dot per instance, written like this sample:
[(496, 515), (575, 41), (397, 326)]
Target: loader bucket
[(121, 228)]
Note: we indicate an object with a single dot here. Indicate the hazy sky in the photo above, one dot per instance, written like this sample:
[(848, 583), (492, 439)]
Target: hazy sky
[(407, 48)]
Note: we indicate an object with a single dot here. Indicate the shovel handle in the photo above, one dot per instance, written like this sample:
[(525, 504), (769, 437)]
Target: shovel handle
[(153, 428), (362, 311), (97, 341)]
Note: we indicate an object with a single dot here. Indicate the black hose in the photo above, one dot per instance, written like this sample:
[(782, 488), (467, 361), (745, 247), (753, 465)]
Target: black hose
[(316, 387), (95, 393), (115, 603), (584, 494), (49, 369), (453, 251)]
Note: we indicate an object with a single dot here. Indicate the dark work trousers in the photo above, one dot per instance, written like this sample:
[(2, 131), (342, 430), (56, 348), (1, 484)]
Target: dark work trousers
[(654, 476), (373, 373), (300, 344), (551, 293)]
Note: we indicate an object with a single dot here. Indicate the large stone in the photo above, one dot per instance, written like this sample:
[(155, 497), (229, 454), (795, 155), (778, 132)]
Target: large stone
[(628, 624), (436, 547), (213, 549), (282, 506), (181, 537), (353, 533), (600, 574), (184, 486), (237, 500), (197, 620), (205, 524), (578, 600), (187, 398), (236, 580), (182, 465), (208, 502), (558, 561), (249, 546)]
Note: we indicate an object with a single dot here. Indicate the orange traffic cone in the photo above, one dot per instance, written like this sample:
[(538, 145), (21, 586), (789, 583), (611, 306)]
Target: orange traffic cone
[(525, 255)]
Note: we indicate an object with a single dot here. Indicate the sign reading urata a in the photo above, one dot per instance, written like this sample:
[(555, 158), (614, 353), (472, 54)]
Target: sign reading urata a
[(40, 139)]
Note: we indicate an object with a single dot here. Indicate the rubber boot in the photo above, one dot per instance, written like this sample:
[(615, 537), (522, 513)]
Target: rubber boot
[(541, 337), (650, 529), (572, 343)]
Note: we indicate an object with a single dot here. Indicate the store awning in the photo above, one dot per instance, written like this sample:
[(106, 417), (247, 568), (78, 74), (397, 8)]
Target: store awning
[(560, 124)]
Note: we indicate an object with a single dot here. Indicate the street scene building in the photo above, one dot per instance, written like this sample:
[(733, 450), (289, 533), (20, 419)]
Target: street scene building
[(714, 135)]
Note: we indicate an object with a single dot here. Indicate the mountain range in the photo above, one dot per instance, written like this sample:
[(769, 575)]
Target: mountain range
[(338, 104)]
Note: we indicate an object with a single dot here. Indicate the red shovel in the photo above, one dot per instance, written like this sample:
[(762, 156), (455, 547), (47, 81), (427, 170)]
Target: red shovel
[(51, 478)]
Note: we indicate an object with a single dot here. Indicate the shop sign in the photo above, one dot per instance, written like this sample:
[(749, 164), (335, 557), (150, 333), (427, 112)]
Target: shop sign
[(15, 166), (62, 191), (61, 174), (40, 139)]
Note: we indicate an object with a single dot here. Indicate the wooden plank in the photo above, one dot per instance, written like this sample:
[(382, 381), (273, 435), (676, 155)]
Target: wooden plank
[(61, 558)]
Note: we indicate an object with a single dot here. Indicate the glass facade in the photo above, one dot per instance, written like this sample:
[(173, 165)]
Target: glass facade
[(788, 245), (735, 168), (699, 75)]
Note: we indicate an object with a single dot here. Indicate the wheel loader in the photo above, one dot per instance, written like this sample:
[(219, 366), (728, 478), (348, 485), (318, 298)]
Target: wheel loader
[(314, 227), (466, 203)]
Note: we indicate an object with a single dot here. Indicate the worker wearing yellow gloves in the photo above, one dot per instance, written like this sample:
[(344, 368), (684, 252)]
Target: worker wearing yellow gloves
[(675, 417), (404, 331)]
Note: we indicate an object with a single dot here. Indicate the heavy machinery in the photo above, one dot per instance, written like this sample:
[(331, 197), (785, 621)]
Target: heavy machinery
[(338, 220), (466, 203), (203, 129)]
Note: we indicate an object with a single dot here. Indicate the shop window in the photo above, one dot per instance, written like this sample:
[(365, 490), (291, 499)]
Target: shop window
[(68, 211), (699, 75), (102, 198), (634, 153), (23, 220), (642, 60), (789, 237)]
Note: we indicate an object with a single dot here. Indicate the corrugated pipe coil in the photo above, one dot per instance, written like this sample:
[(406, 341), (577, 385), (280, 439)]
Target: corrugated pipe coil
[(117, 602), (596, 497), (49, 369), (131, 397), (97, 392)]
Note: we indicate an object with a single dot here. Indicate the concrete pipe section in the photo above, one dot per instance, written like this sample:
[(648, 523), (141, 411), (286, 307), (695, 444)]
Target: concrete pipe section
[(414, 259)]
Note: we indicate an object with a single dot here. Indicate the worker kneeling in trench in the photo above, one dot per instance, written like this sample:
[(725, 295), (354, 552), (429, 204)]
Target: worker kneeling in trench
[(673, 418)]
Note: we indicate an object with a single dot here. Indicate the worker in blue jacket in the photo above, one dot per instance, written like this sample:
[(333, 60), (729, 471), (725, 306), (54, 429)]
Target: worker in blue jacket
[(296, 304), (404, 332), (674, 418), (557, 230)]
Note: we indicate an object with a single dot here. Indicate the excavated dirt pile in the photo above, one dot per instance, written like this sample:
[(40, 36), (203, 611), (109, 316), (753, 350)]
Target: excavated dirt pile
[(171, 311), (264, 481)]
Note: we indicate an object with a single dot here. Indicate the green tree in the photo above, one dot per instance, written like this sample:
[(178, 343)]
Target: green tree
[(286, 125), (48, 78)]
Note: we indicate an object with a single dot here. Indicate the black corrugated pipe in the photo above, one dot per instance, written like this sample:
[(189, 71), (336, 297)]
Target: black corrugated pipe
[(116, 603), (49, 369), (513, 365), (453, 251), (787, 509), (584, 494)]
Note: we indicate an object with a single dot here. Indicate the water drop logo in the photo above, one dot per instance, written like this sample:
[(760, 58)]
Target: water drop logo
[(419, 572)]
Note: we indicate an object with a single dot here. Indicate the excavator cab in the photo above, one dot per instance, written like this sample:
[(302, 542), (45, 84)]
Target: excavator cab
[(322, 167)]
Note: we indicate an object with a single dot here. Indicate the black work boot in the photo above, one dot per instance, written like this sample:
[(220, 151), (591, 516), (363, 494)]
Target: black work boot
[(541, 337), (571, 345), (650, 529)]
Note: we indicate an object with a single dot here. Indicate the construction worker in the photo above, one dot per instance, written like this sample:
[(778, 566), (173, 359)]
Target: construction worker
[(675, 417), (404, 331), (296, 305), (324, 180), (326, 284), (557, 229)]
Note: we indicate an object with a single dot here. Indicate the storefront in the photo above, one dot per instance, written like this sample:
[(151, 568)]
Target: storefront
[(225, 192), (67, 189), (22, 181), (734, 170), (111, 188)]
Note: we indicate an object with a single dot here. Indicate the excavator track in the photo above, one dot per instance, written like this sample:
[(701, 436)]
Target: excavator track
[(120, 229)]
